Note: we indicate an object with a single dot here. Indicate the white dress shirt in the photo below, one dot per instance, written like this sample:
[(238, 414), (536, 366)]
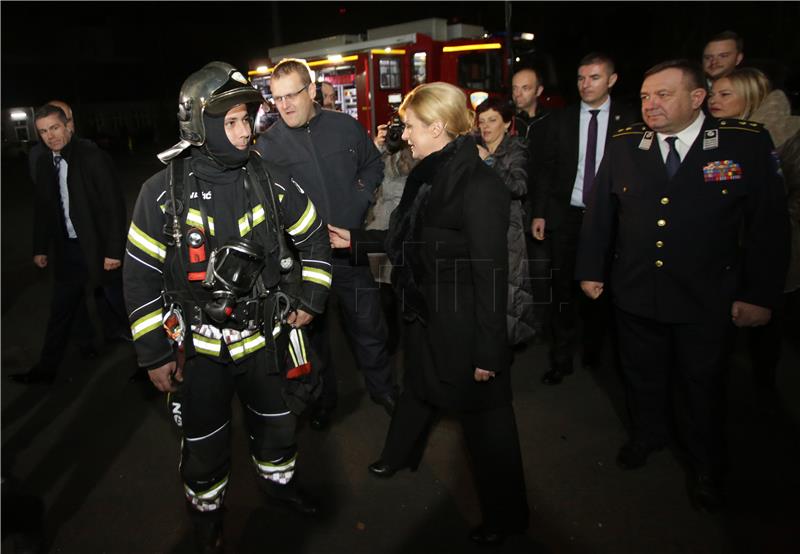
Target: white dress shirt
[(64, 191), (685, 138), (583, 130)]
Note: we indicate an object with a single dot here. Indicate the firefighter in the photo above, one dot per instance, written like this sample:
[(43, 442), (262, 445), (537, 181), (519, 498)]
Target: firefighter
[(218, 300)]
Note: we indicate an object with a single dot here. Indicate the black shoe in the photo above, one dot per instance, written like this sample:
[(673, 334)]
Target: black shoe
[(486, 536), (293, 498), (555, 376), (705, 493), (34, 376), (208, 537), (384, 471), (633, 454), (388, 401), (321, 417)]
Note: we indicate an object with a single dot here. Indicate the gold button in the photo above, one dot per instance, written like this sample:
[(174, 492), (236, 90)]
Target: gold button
[(665, 201), (662, 222), (724, 191), (659, 243), (624, 189), (659, 263)]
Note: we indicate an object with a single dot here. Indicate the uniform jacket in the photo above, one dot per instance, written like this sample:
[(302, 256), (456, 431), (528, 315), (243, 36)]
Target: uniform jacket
[(334, 159), (560, 163), (96, 205), (230, 212), (453, 279), (685, 249)]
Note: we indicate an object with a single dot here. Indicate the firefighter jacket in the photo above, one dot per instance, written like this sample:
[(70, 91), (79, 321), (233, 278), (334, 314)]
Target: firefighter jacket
[(221, 212)]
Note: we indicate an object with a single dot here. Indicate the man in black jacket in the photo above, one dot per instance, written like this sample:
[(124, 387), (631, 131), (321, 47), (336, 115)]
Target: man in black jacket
[(334, 158), (569, 168), (79, 226)]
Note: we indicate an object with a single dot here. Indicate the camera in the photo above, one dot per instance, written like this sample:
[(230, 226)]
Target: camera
[(394, 134)]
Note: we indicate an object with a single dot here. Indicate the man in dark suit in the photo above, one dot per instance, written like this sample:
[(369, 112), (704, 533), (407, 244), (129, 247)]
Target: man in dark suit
[(693, 211), (79, 226), (575, 145)]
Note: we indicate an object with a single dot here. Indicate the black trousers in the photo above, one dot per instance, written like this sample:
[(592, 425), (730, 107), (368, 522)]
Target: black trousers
[(202, 406), (493, 445), (569, 300), (690, 358), (364, 324), (68, 311)]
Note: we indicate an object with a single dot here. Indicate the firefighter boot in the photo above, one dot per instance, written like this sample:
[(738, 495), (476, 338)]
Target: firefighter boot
[(290, 496), (207, 531)]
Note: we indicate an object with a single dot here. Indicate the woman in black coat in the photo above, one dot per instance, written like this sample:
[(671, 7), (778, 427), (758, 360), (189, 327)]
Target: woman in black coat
[(447, 243)]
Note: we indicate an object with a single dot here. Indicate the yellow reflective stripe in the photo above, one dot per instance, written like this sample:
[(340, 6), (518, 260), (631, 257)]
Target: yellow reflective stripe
[(276, 330), (146, 323), (147, 244), (247, 346), (205, 345), (258, 214), (280, 197), (316, 275), (244, 225), (194, 217), (270, 467), (207, 494), (304, 223)]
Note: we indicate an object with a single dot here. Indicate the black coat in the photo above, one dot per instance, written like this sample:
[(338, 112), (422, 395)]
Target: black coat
[(686, 248), (96, 205), (459, 260), (560, 159)]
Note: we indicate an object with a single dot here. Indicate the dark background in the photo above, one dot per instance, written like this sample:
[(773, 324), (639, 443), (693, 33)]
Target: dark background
[(88, 52)]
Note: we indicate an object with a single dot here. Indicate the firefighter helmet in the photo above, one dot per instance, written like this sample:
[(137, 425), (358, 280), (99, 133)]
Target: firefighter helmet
[(214, 89)]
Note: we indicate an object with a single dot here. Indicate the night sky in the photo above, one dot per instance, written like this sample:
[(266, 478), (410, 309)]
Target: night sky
[(89, 52)]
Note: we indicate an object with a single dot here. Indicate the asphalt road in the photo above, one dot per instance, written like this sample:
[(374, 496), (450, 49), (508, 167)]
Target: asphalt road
[(101, 454)]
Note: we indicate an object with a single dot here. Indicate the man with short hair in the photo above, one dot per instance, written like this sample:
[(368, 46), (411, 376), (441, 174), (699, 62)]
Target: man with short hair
[(339, 166), (575, 145), (721, 55), (79, 230), (693, 211), (531, 124), (328, 95)]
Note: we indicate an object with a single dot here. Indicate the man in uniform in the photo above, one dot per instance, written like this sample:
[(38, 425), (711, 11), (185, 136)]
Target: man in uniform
[(332, 156), (208, 299), (691, 213)]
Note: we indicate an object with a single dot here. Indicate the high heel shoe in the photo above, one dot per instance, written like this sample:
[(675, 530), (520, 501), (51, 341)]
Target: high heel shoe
[(384, 471)]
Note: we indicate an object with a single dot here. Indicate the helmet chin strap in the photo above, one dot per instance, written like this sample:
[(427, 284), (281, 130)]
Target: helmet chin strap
[(173, 151)]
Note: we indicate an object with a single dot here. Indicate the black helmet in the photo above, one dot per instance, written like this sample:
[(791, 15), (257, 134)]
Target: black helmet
[(215, 89)]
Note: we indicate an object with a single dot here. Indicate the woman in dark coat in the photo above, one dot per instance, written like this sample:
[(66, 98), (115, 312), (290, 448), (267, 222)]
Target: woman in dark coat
[(447, 243), (508, 156)]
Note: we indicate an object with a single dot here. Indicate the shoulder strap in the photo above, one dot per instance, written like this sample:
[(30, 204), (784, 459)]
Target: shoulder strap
[(267, 199)]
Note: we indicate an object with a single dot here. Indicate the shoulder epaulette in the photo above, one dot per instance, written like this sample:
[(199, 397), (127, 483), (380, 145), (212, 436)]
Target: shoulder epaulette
[(635, 129), (741, 125)]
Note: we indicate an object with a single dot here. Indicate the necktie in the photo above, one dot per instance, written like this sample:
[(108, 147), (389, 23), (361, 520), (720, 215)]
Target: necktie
[(591, 155), (673, 159)]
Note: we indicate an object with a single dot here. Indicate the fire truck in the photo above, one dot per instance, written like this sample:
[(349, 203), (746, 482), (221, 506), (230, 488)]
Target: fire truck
[(371, 73)]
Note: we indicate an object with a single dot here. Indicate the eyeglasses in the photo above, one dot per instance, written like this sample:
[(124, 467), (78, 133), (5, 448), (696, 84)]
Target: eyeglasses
[(291, 96)]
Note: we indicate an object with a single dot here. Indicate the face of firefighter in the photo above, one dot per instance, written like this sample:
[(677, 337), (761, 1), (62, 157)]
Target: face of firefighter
[(295, 101), (238, 126), (594, 83), (424, 139), (492, 128), (53, 132), (328, 96), (668, 103)]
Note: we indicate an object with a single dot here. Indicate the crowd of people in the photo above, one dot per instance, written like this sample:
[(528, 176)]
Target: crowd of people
[(657, 229)]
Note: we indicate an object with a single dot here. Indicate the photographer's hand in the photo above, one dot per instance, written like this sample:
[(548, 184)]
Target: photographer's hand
[(380, 137)]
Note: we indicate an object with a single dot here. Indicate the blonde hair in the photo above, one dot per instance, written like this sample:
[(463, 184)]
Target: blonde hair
[(752, 85), (440, 102)]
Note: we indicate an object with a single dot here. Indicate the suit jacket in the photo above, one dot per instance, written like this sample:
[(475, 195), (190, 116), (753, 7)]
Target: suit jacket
[(560, 164), (687, 247), (96, 206)]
